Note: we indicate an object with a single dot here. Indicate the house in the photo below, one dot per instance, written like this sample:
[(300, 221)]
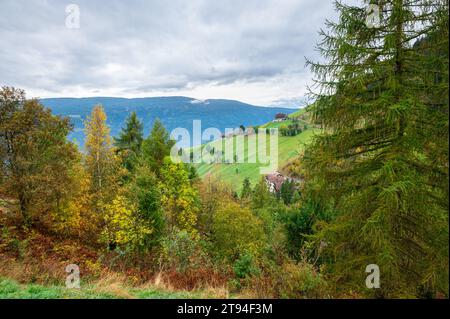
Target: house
[(274, 181), (279, 117)]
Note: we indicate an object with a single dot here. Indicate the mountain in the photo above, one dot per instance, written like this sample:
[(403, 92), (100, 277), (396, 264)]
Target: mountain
[(173, 112)]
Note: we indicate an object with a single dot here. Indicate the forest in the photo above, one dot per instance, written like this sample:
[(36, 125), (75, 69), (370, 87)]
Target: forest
[(374, 186)]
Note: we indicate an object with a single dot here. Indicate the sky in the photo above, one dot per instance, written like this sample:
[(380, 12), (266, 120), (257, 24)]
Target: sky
[(248, 50)]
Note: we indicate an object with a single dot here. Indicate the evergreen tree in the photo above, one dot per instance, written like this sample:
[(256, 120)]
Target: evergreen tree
[(143, 191), (246, 191), (193, 174), (157, 146), (261, 196), (382, 99), (287, 191), (129, 142)]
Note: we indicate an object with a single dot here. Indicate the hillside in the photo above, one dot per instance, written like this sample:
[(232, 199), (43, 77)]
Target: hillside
[(172, 111), (289, 147)]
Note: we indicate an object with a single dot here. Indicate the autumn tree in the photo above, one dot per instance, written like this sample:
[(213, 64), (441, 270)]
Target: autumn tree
[(123, 227), (144, 192), (101, 160), (213, 194), (179, 199), (76, 216), (36, 156), (236, 231)]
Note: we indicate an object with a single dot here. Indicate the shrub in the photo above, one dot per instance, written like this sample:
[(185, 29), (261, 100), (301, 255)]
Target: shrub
[(301, 281), (245, 267), (236, 229), (181, 251)]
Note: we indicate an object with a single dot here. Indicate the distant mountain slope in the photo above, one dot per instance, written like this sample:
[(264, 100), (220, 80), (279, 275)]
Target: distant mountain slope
[(172, 111)]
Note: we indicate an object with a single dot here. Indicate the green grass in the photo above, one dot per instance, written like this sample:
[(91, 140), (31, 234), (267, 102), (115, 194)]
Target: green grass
[(288, 148), (234, 174), (298, 112), (290, 120), (10, 289)]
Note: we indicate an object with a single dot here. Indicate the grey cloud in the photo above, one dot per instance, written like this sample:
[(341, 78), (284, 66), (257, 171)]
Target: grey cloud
[(145, 46)]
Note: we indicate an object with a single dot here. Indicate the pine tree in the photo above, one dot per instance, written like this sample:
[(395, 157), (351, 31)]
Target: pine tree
[(246, 188), (382, 100), (129, 141), (157, 146)]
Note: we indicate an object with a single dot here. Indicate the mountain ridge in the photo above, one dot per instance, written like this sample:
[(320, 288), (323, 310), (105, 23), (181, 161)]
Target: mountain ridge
[(173, 111)]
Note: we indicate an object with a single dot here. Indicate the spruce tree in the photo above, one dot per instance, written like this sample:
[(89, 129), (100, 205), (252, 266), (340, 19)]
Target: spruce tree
[(129, 141), (382, 101), (157, 146), (246, 191)]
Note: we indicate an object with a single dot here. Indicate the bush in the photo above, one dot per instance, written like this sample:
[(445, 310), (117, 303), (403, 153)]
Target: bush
[(301, 281), (245, 267), (181, 251), (244, 270), (236, 229)]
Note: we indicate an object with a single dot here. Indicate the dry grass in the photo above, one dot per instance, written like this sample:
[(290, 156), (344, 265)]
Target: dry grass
[(113, 283), (40, 257)]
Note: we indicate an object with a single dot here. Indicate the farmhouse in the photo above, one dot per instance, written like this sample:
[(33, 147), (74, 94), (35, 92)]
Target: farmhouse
[(274, 181), (280, 117)]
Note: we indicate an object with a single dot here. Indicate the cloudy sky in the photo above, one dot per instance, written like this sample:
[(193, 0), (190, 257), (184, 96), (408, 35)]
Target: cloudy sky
[(249, 50)]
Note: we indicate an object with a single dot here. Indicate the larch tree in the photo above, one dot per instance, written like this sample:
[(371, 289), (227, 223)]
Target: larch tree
[(382, 100)]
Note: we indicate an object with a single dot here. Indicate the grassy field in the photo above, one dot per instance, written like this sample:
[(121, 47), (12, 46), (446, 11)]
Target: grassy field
[(10, 289), (289, 147), (234, 173), (298, 115)]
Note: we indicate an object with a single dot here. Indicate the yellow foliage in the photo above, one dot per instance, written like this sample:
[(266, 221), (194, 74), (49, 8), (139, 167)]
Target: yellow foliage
[(76, 216), (122, 224), (101, 161), (178, 197), (236, 229)]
